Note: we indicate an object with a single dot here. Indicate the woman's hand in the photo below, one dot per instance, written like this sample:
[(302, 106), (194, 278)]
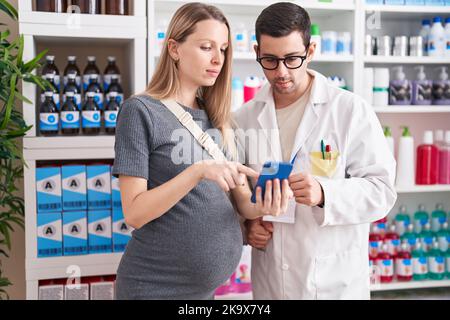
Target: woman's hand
[(276, 198), (227, 174)]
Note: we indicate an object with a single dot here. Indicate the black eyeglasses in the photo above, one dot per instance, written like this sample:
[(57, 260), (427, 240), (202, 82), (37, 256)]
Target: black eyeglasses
[(290, 62)]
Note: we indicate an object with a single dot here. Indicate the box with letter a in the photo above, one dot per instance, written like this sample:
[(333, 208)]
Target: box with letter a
[(75, 233), (74, 189), (99, 187), (116, 200), (48, 188), (121, 231), (49, 233), (99, 228)]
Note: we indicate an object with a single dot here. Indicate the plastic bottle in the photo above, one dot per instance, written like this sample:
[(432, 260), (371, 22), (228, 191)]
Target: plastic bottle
[(316, 38), (58, 6), (385, 262), (251, 87), (409, 236), (237, 93), (405, 160), (424, 33), (421, 88), (443, 237), (54, 88), (329, 42), (90, 69), (441, 88), (115, 87), (403, 264), (110, 71), (421, 218), (427, 169), (427, 237), (253, 40), (91, 116), (71, 86), (389, 138), (51, 68), (111, 112), (95, 87), (88, 6), (444, 160), (392, 239), (48, 116), (116, 7), (439, 138), (420, 263), (241, 43), (438, 218), (70, 116), (436, 39), (375, 242), (72, 68), (400, 90), (381, 227), (447, 37), (343, 43), (402, 220), (436, 263)]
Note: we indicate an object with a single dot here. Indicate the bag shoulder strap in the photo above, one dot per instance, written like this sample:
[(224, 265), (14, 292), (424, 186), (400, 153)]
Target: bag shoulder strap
[(188, 122)]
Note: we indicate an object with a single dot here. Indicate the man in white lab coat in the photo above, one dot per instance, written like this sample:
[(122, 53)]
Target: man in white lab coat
[(343, 177)]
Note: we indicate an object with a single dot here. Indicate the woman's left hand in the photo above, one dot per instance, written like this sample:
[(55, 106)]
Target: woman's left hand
[(276, 198)]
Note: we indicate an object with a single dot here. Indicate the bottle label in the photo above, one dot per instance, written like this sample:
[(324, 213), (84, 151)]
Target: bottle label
[(386, 267), (110, 119), (87, 81), (373, 248), (119, 98), (77, 80), (55, 100), (403, 267), (436, 223), (420, 266), (437, 265), (107, 78), (91, 119), (443, 243), (70, 120), (48, 121), (98, 98), (393, 245), (77, 98), (400, 226)]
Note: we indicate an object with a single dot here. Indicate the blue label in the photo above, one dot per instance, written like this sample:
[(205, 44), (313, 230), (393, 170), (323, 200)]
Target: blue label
[(161, 35), (395, 242), (49, 122), (110, 119), (374, 244), (407, 262), (440, 259), (239, 37), (387, 262), (70, 120), (423, 221), (91, 119), (442, 220), (423, 260)]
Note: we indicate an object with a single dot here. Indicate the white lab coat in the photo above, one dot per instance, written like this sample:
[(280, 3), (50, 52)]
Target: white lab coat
[(324, 254)]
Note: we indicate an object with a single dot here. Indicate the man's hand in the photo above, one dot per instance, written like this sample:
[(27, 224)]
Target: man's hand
[(259, 232), (307, 190)]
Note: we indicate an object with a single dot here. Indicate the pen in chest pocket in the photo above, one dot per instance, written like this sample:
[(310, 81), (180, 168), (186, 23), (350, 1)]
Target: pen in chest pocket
[(328, 152)]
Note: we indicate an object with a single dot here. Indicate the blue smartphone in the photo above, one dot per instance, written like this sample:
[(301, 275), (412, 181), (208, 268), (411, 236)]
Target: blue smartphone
[(270, 171)]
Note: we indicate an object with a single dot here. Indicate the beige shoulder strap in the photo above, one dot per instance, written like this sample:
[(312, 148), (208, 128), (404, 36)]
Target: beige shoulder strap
[(202, 137)]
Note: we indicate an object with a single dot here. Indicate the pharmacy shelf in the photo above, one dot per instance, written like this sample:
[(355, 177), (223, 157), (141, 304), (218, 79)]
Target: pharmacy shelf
[(66, 142), (57, 267), (250, 6), (45, 24), (412, 109), (405, 60), (421, 189), (317, 58), (410, 285), (408, 9)]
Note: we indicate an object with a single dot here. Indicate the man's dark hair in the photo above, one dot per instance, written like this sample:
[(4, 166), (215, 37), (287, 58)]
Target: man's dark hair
[(282, 18)]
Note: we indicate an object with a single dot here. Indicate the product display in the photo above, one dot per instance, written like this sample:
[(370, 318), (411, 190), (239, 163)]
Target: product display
[(78, 213)]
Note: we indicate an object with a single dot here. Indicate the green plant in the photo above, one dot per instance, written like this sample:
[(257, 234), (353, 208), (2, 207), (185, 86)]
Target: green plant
[(12, 128)]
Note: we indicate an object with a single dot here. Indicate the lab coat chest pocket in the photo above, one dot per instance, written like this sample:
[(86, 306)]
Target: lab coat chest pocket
[(342, 276)]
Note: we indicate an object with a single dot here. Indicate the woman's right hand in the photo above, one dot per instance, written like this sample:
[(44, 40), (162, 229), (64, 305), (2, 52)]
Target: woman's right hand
[(227, 174)]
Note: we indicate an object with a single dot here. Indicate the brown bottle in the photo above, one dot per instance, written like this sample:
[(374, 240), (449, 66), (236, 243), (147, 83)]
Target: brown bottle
[(88, 6), (51, 5), (117, 7)]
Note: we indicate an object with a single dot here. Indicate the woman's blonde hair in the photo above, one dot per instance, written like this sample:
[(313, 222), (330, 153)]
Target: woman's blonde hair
[(165, 82)]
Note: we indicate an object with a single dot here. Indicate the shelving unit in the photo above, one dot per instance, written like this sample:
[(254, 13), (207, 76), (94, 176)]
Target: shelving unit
[(135, 37), (65, 32)]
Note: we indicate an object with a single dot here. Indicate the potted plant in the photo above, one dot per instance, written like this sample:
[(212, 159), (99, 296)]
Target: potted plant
[(13, 70)]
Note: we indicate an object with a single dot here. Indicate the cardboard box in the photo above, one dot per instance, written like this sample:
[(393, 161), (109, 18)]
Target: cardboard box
[(48, 188), (74, 189), (49, 233), (99, 228), (99, 187), (75, 233)]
